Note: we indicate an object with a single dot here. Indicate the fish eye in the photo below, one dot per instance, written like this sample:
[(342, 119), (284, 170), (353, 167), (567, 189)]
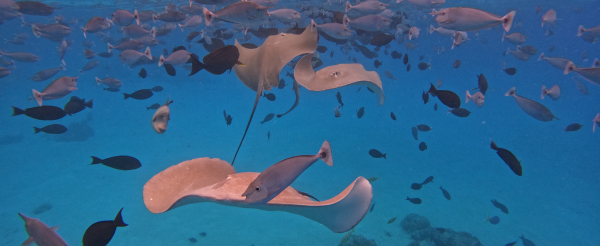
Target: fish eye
[(257, 188)]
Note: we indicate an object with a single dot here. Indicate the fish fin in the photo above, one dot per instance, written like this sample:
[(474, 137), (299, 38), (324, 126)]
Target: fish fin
[(208, 16), (541, 56), (17, 111), (197, 66), (98, 81), (511, 92), (493, 145), (507, 20), (544, 92), (29, 241), (54, 228), (38, 96), (325, 153), (580, 31), (118, 221), (89, 103), (468, 96), (36, 130), (161, 60), (95, 160), (348, 6), (148, 53), (569, 68), (136, 15)]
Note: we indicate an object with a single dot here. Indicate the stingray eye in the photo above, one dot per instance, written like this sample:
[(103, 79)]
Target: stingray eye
[(257, 188)]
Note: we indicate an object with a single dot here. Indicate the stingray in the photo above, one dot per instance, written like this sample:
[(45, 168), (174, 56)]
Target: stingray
[(263, 64), (337, 76), (296, 89), (213, 180)]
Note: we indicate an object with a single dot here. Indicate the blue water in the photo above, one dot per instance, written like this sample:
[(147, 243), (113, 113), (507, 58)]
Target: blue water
[(553, 203)]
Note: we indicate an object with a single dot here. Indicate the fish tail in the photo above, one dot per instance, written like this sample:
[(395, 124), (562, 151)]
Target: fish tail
[(36, 31), (136, 15), (110, 47), (161, 60), (467, 96), (348, 6), (148, 53), (431, 29), (153, 32), (208, 16), (196, 65), (118, 222), (98, 81), (38, 96), (580, 31), (17, 111), (325, 153), (432, 90), (125, 96), (541, 56), (181, 26), (511, 92), (89, 103), (384, 156), (569, 68), (36, 130), (544, 92), (493, 146), (95, 160), (507, 20)]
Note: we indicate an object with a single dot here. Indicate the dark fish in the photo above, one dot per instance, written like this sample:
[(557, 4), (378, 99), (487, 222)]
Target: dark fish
[(76, 105), (339, 98), (282, 84), (372, 207), (270, 96), (448, 98), (268, 118), (573, 127), (377, 154), (526, 242), (423, 128), (456, 64), (166, 52), (157, 88), (216, 43), (425, 97), (416, 186), (494, 220), (445, 192), (377, 63), (381, 39), (482, 83), (391, 220), (405, 59), (218, 61), (228, 118), (360, 112), (408, 68), (139, 95), (510, 159), (427, 180), (393, 116), (538, 9), (510, 70), (121, 162), (178, 48), (170, 69), (424, 66), (41, 112), (461, 112), (192, 35), (500, 206), (396, 55), (414, 200), (249, 45), (415, 133), (101, 232), (435, 107), (422, 146), (153, 106), (51, 129), (142, 73), (193, 240), (321, 49)]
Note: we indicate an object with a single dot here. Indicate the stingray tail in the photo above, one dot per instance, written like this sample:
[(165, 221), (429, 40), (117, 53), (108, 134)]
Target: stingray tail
[(259, 91), (325, 153)]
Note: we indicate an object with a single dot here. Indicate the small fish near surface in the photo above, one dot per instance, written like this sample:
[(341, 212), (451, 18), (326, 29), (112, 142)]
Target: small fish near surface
[(422, 146), (101, 232), (360, 112), (427, 180), (526, 242), (270, 96), (500, 206), (268, 118), (40, 233), (161, 117), (573, 127), (423, 128), (424, 66), (509, 158), (414, 200), (41, 112), (392, 115), (121, 162), (425, 97), (460, 112), (170, 69), (416, 186), (446, 193), (532, 108), (456, 64), (448, 98), (408, 68), (143, 93), (482, 83), (51, 129), (153, 106), (377, 154), (493, 220), (143, 73), (228, 118), (478, 98)]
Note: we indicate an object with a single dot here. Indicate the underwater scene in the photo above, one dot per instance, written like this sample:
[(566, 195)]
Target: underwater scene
[(280, 122)]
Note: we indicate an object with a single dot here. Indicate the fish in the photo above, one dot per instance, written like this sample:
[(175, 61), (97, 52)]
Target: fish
[(153, 106), (89, 54), (414, 200), (161, 117), (549, 18), (41, 112), (448, 98), (518, 53), (405, 60), (471, 19), (369, 23), (391, 220), (460, 112), (142, 73), (511, 243), (285, 15), (422, 146), (416, 186), (217, 61), (377, 63), (339, 99), (94, 25), (494, 220), (337, 113), (593, 32), (482, 83), (279, 176), (268, 118), (246, 13), (408, 68), (553, 93), (360, 112), (89, 66), (368, 7), (528, 49), (427, 180), (510, 71), (573, 127), (500, 206), (435, 107), (101, 232), (46, 73), (21, 56), (423, 128), (269, 96), (129, 57), (139, 94), (381, 39), (446, 193), (413, 32), (40, 233), (377, 154), (228, 118), (170, 70), (424, 66), (425, 97), (51, 129), (389, 75), (392, 115), (516, 38), (57, 89), (591, 74), (509, 158), (176, 58), (532, 108), (456, 64), (415, 133), (526, 242), (109, 81), (121, 162), (76, 105), (282, 84), (396, 55), (372, 179), (478, 98), (425, 4)]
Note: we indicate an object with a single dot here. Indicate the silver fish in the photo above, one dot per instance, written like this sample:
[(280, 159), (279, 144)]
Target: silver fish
[(247, 13), (57, 89), (40, 233), (532, 108), (46, 73), (471, 19)]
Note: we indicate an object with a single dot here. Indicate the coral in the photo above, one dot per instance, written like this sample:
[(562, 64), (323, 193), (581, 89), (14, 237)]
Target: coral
[(414, 222), (423, 234), (357, 240)]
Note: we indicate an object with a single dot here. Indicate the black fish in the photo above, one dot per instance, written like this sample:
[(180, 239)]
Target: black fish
[(414, 200), (393, 116), (165, 52), (139, 95), (422, 146), (227, 118), (509, 158), (193, 240), (415, 133), (381, 39), (435, 107), (408, 68), (339, 98), (396, 55), (377, 63), (316, 62), (121, 162), (360, 112), (391, 220), (170, 69), (218, 61), (377, 154), (153, 106), (291, 75), (500, 206), (282, 84), (416, 186), (41, 112), (456, 64), (366, 52), (573, 127), (372, 207), (51, 129), (268, 118), (219, 33), (427, 180), (405, 59), (76, 105), (101, 232), (510, 70), (142, 73), (321, 49), (425, 97), (461, 112), (448, 98), (424, 66), (423, 128), (526, 242), (482, 83), (270, 96), (446, 193)]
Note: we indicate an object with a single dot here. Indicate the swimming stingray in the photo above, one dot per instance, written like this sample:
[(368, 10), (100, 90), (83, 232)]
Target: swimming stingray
[(337, 76), (213, 180), (263, 64)]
